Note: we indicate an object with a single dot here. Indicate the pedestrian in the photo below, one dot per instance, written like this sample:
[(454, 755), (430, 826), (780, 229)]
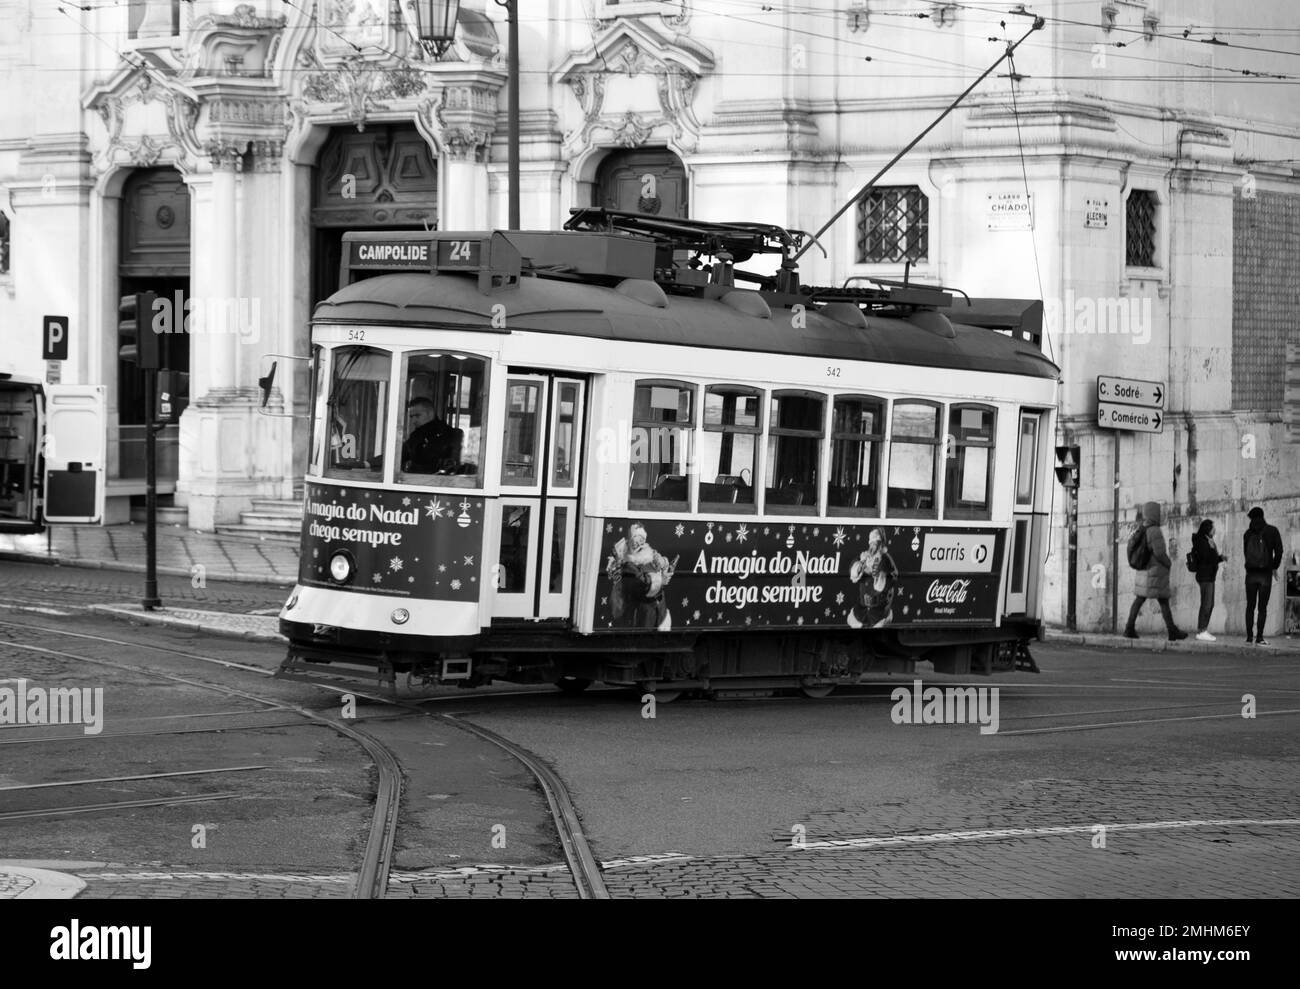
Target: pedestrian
[(1152, 581), (1206, 557), (1261, 553)]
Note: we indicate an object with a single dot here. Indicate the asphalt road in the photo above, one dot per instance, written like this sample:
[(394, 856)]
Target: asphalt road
[(1110, 775)]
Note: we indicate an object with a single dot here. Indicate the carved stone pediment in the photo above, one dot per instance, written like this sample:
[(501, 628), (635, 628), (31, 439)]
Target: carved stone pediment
[(357, 87), (241, 44), (148, 120), (633, 85)]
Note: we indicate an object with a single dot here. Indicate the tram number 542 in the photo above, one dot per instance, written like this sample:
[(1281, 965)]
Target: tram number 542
[(833, 371), (355, 334)]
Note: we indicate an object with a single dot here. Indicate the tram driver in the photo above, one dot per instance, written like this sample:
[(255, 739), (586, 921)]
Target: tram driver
[(431, 446)]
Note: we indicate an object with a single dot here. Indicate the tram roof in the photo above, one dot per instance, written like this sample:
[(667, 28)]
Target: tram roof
[(544, 305)]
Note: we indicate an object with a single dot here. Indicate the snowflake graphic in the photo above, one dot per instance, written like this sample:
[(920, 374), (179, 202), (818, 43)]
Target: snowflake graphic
[(435, 509), (816, 532), (728, 537), (800, 621), (442, 568), (376, 577), (839, 536), (839, 598), (410, 580), (315, 552), (678, 530), (742, 532), (828, 612), (685, 602), (395, 564), (696, 614), (406, 502), (469, 561), (609, 527), (766, 531), (604, 602), (455, 585), (749, 619)]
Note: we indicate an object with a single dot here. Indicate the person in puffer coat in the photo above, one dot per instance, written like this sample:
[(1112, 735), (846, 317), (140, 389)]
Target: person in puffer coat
[(1153, 582)]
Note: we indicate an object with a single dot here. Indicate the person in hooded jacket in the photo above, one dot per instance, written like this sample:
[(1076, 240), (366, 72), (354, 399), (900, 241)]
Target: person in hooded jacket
[(1153, 582), (1261, 547), (1206, 556)]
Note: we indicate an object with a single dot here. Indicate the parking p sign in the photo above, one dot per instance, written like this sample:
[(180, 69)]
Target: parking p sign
[(54, 338)]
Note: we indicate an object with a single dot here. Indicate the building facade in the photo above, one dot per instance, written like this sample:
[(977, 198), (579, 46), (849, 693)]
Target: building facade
[(1138, 174)]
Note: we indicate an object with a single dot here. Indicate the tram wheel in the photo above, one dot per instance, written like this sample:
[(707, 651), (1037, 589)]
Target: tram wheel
[(817, 691), (661, 696), (573, 685)]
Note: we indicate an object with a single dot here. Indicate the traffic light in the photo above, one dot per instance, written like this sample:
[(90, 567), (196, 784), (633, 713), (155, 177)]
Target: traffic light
[(1067, 466), (135, 323)]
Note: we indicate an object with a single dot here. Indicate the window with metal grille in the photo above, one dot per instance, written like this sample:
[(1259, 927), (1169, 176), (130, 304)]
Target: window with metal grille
[(4, 244), (893, 225), (1140, 229)]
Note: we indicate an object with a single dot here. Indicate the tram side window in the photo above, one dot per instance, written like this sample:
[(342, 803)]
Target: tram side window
[(969, 482), (733, 423), (443, 405), (796, 425), (857, 434), (913, 460), (663, 418), (357, 413), (17, 452)]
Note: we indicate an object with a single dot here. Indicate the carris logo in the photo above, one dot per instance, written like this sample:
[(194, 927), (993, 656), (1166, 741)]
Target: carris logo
[(952, 592)]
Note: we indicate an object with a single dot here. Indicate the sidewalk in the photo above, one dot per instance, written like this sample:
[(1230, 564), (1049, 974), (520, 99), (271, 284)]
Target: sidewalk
[(181, 552), (1226, 642)]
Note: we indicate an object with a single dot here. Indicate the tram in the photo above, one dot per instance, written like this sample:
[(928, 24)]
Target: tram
[(609, 453)]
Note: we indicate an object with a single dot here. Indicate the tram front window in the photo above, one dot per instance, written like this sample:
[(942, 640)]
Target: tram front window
[(441, 435), (357, 413)]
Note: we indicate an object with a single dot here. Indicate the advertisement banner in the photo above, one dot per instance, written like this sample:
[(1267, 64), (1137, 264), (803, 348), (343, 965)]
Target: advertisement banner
[(411, 545), (664, 574)]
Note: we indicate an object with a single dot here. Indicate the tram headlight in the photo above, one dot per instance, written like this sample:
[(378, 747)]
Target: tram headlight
[(400, 616), (292, 602), (342, 567)]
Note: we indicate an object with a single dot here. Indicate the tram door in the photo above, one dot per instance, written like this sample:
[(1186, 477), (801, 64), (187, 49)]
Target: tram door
[(1026, 525), (539, 495)]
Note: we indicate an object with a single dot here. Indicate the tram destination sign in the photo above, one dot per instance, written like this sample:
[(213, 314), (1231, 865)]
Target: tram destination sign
[(1131, 404)]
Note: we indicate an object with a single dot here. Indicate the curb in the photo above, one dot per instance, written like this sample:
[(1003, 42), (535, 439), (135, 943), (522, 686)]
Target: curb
[(20, 882), (1280, 646), (55, 561), (134, 613)]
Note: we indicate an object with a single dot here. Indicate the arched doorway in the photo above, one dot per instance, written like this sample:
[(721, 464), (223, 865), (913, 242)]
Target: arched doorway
[(154, 257), (644, 180), (382, 178)]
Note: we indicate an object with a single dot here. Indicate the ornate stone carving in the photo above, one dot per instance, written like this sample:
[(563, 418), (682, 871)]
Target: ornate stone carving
[(267, 155), (236, 111), (121, 100), (238, 44), (226, 156), (466, 143), (359, 86), (628, 49)]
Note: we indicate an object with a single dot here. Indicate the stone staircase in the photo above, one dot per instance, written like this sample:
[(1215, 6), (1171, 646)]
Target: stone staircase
[(269, 518)]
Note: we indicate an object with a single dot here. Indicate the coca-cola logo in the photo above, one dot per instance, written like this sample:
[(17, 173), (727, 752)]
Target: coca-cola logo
[(951, 592)]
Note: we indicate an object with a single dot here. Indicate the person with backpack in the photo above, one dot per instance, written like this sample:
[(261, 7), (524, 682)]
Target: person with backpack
[(1147, 547), (1262, 555), (1204, 560)]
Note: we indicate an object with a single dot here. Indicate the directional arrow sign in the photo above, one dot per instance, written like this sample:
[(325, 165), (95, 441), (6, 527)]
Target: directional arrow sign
[(1131, 391), (1142, 420)]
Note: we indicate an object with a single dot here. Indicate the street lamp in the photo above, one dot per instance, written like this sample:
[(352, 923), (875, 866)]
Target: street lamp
[(436, 28), (435, 23)]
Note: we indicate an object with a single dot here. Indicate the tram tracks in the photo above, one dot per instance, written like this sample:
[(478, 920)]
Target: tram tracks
[(376, 862)]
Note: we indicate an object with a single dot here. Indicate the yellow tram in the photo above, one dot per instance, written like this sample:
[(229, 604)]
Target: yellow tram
[(592, 455)]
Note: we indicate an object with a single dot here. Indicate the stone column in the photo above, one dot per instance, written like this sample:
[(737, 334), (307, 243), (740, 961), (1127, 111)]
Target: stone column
[(464, 189)]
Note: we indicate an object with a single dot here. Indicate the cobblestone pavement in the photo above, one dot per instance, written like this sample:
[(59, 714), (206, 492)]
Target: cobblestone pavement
[(61, 588), (179, 552), (1250, 861)]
